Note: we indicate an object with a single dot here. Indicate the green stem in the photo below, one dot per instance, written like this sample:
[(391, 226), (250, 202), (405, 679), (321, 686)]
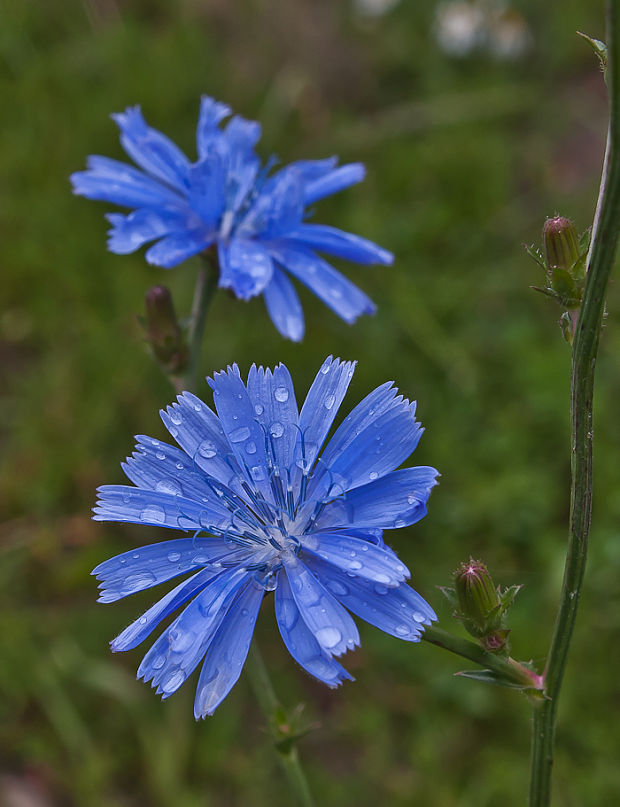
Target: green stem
[(206, 284), (271, 708), (600, 261), (508, 669)]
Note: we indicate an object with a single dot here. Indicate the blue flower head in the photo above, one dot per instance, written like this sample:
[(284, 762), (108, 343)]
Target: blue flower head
[(265, 509), (227, 200)]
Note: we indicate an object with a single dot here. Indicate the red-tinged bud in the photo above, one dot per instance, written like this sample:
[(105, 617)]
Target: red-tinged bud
[(477, 596), (561, 243), (163, 330)]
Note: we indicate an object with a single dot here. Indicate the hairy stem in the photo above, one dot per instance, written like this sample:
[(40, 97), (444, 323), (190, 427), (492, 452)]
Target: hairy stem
[(585, 346), (507, 669), (206, 284)]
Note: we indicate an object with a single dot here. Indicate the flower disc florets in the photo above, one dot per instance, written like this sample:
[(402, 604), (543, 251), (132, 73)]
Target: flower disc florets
[(265, 508)]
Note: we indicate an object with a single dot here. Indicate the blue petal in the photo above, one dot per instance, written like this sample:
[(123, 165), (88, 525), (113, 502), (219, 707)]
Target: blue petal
[(278, 208), (228, 651), (311, 170), (339, 243), (333, 288), (246, 436), (198, 431), (212, 113), (396, 500), (300, 642), (321, 406), (333, 182), (152, 150), (242, 134), (327, 620), (135, 506), (284, 307), (373, 440), (357, 556), (138, 631), (147, 566), (400, 611), (176, 248), (109, 180), (275, 408), (130, 232), (180, 648), (207, 189), (245, 267)]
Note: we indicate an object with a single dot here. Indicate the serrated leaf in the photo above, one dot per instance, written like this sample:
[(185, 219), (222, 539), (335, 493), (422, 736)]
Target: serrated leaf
[(507, 596), (450, 595)]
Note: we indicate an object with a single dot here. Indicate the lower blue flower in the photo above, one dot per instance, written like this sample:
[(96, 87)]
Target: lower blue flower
[(267, 507)]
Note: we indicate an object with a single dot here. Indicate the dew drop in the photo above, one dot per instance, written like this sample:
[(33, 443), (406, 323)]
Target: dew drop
[(402, 630), (173, 431), (418, 616), (325, 369), (135, 555), (337, 588), (153, 513), (411, 499), (329, 401), (239, 435), (173, 682), (244, 612), (281, 394), (200, 559), (143, 620), (181, 640), (250, 447), (381, 578), (373, 475), (259, 409), (160, 455), (277, 429), (400, 523), (159, 662), (169, 486), (176, 417), (381, 589), (354, 565), (197, 407), (207, 449), (137, 582), (174, 556), (258, 474), (328, 637)]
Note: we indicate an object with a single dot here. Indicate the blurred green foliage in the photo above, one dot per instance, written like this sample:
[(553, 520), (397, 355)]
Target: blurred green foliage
[(465, 159)]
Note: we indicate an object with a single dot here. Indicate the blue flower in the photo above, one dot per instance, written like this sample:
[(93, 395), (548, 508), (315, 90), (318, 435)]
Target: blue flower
[(226, 200), (265, 510)]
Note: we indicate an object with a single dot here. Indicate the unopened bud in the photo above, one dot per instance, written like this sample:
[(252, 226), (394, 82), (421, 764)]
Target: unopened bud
[(163, 330), (477, 596), (561, 243)]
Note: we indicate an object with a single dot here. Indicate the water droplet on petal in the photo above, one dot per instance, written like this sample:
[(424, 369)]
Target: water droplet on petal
[(153, 513), (418, 616), (176, 417), (257, 473), (329, 401), (354, 565), (277, 429), (328, 637), (402, 630), (411, 499), (137, 582), (143, 620), (373, 475), (160, 455), (239, 435), (169, 486), (207, 449), (380, 589), (400, 523), (325, 369), (281, 394), (173, 557), (250, 447), (259, 409), (173, 431), (337, 588), (173, 682), (159, 662), (181, 640)]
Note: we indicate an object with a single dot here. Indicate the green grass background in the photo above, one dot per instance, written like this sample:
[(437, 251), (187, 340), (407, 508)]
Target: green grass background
[(465, 159)]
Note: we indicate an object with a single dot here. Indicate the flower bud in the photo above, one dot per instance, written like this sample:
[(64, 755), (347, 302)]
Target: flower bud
[(477, 596), (163, 330), (561, 243)]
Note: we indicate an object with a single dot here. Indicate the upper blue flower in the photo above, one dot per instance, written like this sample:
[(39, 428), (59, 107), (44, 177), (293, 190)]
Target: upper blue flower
[(266, 511), (227, 199)]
